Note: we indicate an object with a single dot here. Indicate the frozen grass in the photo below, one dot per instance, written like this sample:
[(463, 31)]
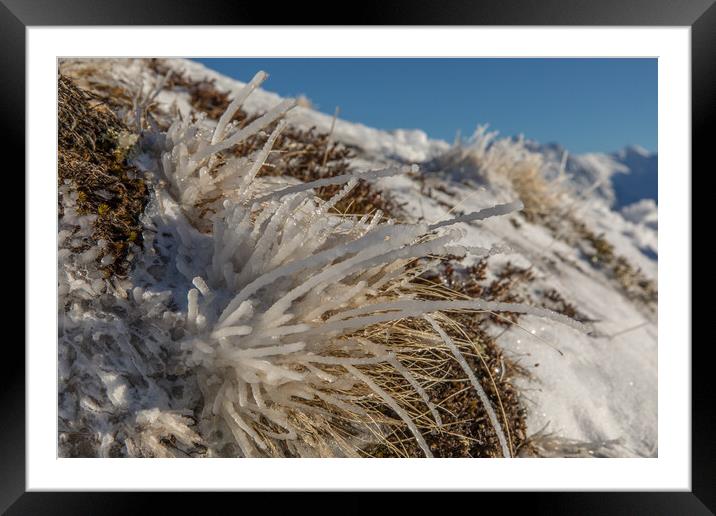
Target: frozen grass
[(305, 154), (504, 163), (302, 329), (279, 319)]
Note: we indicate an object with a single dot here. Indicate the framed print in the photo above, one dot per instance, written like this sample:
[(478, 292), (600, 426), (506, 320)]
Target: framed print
[(419, 252)]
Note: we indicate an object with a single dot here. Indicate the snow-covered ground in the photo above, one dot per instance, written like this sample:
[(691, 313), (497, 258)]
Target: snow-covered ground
[(594, 388)]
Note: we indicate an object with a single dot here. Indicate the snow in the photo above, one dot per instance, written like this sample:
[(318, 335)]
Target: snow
[(642, 212), (595, 388)]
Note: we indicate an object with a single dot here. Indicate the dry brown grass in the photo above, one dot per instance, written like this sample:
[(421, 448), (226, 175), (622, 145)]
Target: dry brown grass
[(538, 196), (503, 163), (467, 431)]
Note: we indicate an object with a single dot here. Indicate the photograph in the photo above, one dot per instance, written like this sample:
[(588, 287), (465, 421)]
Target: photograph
[(366, 257)]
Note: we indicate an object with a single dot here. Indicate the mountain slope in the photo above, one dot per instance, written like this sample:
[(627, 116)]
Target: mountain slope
[(599, 388)]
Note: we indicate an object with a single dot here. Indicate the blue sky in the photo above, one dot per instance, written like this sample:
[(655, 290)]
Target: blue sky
[(587, 105)]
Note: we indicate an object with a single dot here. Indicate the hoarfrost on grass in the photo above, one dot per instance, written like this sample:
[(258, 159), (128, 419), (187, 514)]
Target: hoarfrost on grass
[(265, 341)]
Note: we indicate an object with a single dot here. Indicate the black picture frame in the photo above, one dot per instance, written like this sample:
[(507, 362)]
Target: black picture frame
[(700, 15)]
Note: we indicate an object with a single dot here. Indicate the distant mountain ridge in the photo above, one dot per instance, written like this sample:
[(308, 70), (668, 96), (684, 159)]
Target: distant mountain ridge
[(620, 178), (641, 181)]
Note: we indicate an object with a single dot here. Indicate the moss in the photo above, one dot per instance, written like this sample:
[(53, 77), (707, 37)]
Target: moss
[(93, 145), (123, 143)]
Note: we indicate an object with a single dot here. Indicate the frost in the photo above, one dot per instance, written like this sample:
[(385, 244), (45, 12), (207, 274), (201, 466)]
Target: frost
[(277, 264), (500, 209), (256, 300)]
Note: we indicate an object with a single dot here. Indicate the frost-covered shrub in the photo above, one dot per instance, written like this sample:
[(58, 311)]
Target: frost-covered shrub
[(296, 325), (256, 321), (199, 176), (506, 164)]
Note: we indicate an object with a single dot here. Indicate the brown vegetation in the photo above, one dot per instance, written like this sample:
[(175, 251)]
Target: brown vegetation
[(92, 150)]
